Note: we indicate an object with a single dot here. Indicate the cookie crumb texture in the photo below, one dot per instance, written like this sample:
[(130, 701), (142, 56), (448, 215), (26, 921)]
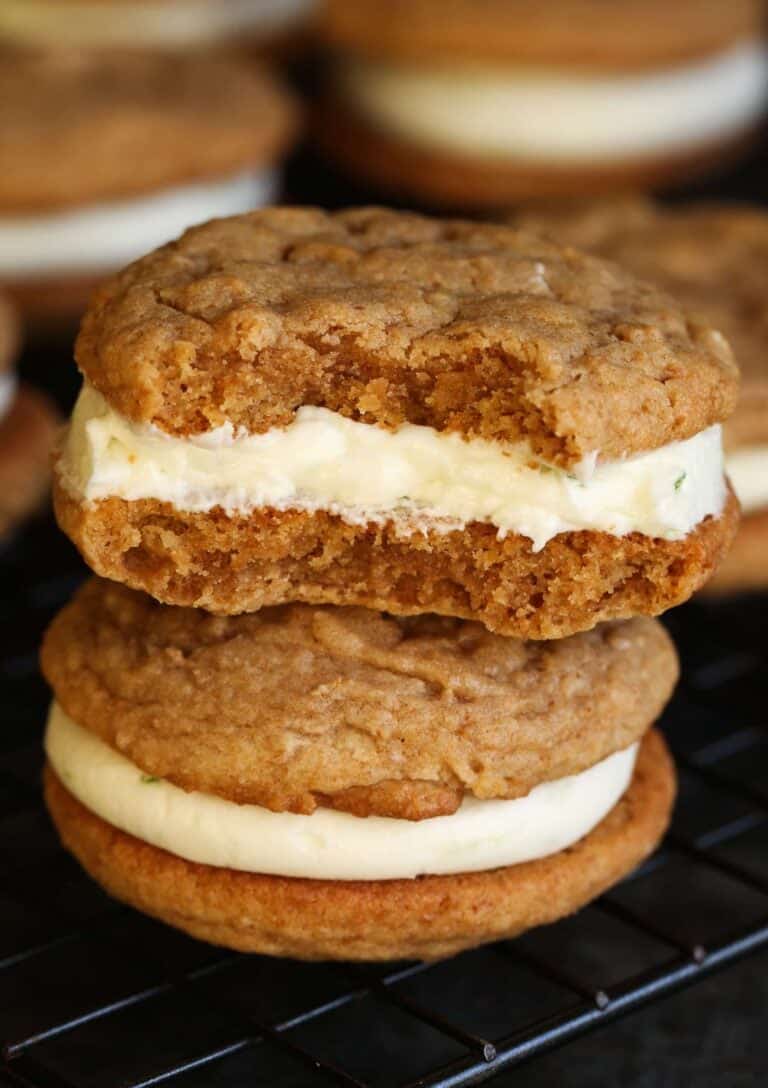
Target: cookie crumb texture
[(425, 918), (388, 317), (240, 564), (294, 707)]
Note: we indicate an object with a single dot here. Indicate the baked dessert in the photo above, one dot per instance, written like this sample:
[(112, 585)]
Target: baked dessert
[(151, 24), (714, 259), (474, 104), (338, 783), (106, 155), (28, 427), (408, 414)]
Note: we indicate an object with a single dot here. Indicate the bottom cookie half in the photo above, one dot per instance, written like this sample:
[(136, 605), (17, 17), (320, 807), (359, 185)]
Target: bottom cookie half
[(425, 918)]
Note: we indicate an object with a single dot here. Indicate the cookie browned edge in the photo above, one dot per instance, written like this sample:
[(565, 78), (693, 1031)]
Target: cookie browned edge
[(450, 180), (424, 918), (745, 567), (27, 434), (242, 563)]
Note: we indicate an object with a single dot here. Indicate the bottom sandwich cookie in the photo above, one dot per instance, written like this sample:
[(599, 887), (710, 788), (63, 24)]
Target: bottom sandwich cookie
[(336, 783)]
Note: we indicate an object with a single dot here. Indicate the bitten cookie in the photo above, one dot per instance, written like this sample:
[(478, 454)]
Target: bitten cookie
[(482, 104), (291, 782), (106, 155), (28, 426), (415, 415), (714, 260)]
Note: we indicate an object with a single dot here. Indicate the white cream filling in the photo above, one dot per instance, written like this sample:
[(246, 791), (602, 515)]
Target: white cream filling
[(748, 472), (171, 24), (416, 476), (99, 237), (547, 114), (331, 845)]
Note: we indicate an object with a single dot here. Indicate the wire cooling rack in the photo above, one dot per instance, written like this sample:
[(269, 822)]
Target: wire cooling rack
[(94, 995)]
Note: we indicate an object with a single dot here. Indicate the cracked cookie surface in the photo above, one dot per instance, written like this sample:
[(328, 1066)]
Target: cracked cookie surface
[(388, 317), (300, 706)]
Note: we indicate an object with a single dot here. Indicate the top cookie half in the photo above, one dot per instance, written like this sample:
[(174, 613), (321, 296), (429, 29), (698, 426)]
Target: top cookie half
[(388, 318), (380, 409)]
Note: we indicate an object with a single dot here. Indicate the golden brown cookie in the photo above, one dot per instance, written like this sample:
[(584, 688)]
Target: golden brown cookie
[(233, 564), (423, 918), (296, 707), (714, 259), (468, 104), (470, 333), (388, 317)]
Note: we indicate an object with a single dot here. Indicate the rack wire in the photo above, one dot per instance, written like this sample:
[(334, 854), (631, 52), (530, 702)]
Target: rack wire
[(82, 979)]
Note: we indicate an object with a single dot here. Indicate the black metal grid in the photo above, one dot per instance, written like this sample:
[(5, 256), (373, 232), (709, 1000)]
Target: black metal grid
[(83, 980)]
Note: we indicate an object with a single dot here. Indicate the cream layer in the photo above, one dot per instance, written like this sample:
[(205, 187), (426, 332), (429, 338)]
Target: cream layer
[(417, 476), (560, 116), (331, 845), (169, 24), (99, 237), (748, 471)]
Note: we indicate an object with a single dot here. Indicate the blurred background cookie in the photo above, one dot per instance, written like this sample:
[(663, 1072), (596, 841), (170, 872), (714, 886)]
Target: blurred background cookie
[(28, 425), (107, 155), (483, 103)]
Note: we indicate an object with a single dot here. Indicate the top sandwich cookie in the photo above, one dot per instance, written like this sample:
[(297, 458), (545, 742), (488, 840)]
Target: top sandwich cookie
[(382, 409), (467, 104), (714, 259)]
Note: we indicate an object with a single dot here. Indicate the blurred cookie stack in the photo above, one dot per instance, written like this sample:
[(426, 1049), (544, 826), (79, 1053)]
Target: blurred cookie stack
[(121, 124), (387, 504), (477, 105)]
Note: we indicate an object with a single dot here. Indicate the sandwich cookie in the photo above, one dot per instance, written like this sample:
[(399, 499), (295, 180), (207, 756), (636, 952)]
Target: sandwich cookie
[(337, 783), (151, 24), (107, 155), (470, 104), (28, 426), (714, 259), (385, 410)]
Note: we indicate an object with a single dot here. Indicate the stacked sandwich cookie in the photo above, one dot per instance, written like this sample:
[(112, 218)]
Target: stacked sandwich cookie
[(714, 259), (473, 104), (402, 496)]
